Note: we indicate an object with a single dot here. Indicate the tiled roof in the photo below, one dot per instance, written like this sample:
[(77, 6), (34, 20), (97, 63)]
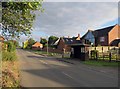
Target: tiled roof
[(103, 31), (37, 44), (100, 32), (70, 41)]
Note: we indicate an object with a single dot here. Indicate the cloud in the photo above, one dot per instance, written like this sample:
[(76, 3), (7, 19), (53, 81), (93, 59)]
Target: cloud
[(71, 18), (81, 0)]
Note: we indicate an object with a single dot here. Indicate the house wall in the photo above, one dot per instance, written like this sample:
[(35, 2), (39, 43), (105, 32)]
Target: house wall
[(114, 34), (62, 45), (98, 42)]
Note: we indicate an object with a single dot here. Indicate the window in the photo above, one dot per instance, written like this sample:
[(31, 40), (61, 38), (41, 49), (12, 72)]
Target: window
[(82, 50), (102, 39)]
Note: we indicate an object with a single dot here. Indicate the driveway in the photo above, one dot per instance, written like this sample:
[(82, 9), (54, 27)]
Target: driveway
[(40, 71)]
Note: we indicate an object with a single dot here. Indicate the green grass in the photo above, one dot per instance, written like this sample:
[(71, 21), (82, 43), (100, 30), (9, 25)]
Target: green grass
[(101, 63), (44, 53)]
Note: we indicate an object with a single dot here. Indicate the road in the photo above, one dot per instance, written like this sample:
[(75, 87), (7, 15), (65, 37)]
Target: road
[(40, 71)]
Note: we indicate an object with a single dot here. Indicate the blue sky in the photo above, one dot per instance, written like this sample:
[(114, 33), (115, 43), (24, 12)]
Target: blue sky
[(71, 18)]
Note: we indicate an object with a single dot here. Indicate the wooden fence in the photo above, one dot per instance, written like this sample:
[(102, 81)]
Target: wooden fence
[(104, 53)]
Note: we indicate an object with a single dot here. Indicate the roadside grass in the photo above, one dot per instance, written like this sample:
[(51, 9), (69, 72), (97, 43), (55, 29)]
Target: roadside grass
[(10, 69), (101, 63), (44, 53), (10, 74)]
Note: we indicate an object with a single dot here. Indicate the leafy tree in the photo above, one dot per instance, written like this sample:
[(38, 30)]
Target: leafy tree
[(52, 39), (43, 41), (15, 43), (30, 43), (25, 44), (18, 17)]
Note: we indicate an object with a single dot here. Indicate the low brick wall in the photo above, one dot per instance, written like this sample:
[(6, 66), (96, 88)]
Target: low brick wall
[(52, 50)]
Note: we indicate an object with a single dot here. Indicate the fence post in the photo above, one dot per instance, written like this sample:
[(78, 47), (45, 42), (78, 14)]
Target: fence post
[(96, 55), (109, 56), (63, 53), (102, 53), (119, 53)]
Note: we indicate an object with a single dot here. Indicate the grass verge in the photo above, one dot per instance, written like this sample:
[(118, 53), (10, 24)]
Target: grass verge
[(10, 74), (102, 63)]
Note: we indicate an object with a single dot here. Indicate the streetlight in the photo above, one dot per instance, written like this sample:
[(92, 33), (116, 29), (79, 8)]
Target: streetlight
[(47, 45)]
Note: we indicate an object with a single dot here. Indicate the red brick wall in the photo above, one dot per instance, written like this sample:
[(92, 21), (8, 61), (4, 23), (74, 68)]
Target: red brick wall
[(114, 34), (52, 50), (62, 45)]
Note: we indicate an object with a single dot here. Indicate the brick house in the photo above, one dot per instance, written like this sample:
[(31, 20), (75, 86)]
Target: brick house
[(103, 37), (37, 46), (63, 43)]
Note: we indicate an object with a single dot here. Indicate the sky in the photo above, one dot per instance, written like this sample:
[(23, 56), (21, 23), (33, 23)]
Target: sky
[(70, 18)]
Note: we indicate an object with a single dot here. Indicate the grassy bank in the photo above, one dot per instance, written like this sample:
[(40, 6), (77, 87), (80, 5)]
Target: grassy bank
[(10, 74), (10, 69), (101, 63)]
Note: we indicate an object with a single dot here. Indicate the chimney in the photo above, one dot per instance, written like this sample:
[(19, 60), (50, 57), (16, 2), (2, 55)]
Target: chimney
[(78, 35), (78, 38)]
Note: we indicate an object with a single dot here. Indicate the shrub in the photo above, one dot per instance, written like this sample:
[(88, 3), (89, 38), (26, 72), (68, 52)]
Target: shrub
[(10, 46), (9, 56)]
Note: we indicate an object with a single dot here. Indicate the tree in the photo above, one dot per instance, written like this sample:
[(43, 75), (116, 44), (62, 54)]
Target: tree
[(25, 44), (10, 46), (18, 17), (30, 43), (52, 39), (15, 43), (43, 41)]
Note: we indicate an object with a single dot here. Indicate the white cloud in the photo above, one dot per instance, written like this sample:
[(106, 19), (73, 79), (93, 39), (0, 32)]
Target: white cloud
[(81, 0), (71, 18)]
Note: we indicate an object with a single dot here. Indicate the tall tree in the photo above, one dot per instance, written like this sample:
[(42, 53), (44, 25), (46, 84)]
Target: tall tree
[(18, 17), (31, 41), (43, 41), (52, 39)]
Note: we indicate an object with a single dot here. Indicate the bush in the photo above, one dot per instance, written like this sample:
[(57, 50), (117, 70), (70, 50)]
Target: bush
[(9, 56), (10, 46)]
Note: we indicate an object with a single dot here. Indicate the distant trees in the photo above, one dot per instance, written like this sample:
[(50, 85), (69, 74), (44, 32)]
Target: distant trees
[(43, 41), (31, 41), (28, 44), (52, 39)]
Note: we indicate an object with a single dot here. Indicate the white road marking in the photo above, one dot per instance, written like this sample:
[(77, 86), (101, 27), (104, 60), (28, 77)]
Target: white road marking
[(43, 62), (67, 75)]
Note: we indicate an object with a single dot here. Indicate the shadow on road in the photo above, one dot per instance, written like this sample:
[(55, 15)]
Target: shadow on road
[(67, 76)]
